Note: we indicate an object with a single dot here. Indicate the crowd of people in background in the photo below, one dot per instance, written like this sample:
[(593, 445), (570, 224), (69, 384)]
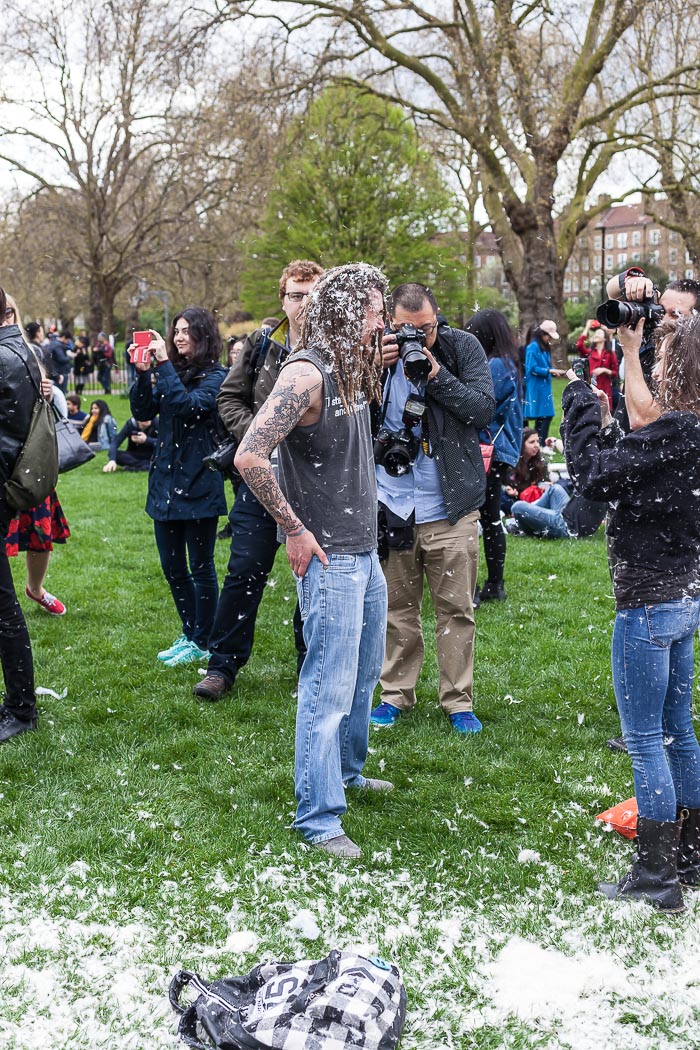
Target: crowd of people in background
[(301, 399)]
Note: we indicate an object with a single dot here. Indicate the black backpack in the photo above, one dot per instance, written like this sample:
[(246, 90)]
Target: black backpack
[(340, 1001)]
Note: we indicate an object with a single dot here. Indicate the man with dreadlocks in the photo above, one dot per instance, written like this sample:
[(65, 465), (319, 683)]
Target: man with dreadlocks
[(325, 505)]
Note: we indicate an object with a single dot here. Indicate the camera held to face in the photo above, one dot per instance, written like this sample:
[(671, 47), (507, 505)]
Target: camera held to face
[(396, 450), (416, 365), (616, 314)]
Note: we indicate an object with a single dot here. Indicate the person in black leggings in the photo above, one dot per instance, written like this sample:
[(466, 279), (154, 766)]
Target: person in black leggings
[(504, 432)]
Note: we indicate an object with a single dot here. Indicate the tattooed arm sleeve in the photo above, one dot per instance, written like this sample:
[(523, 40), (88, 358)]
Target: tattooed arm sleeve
[(296, 392)]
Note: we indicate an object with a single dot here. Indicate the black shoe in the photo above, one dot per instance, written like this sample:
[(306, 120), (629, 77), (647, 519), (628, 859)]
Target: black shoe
[(689, 849), (617, 743), (476, 600), (493, 592), (654, 875), (11, 726), (225, 533), (213, 687)]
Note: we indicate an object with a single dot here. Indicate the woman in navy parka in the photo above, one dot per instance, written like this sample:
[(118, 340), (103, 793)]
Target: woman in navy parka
[(185, 498)]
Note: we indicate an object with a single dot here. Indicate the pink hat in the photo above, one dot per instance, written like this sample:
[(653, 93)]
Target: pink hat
[(551, 329)]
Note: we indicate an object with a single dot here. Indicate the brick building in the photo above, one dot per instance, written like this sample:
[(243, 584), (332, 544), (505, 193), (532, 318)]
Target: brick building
[(618, 238)]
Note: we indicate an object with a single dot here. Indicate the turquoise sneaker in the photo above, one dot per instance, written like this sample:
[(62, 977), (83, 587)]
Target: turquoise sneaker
[(465, 722), (166, 654), (187, 654), (384, 715)]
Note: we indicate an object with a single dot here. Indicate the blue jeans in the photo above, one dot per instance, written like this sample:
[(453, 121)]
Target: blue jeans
[(544, 518), (344, 611), (194, 588), (652, 663)]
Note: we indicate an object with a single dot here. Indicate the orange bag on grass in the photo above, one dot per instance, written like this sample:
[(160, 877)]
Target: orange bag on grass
[(622, 818)]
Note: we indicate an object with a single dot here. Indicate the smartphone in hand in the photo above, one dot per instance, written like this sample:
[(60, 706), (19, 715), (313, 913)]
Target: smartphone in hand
[(140, 354)]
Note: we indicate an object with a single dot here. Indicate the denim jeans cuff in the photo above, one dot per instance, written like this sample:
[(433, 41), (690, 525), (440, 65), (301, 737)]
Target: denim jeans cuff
[(324, 836)]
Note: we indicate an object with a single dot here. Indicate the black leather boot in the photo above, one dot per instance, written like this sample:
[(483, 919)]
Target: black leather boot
[(689, 849), (654, 876)]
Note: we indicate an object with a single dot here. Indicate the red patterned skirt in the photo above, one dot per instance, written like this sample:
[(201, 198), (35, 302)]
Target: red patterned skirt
[(37, 529)]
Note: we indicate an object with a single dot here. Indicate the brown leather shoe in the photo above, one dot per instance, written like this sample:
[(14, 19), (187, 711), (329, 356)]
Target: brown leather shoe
[(212, 687)]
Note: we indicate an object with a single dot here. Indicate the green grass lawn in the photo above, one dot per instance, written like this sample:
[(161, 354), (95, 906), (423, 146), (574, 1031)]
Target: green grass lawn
[(141, 831)]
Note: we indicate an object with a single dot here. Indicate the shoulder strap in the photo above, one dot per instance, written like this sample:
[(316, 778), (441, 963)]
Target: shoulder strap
[(258, 358), (37, 386)]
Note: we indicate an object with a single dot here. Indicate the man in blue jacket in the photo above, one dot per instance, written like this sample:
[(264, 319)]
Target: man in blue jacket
[(431, 510)]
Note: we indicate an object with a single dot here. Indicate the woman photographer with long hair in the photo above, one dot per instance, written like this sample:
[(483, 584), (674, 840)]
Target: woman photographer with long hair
[(651, 477), (185, 498), (504, 432)]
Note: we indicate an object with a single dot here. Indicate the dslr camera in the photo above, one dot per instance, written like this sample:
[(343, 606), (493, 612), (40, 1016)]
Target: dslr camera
[(617, 314), (416, 365), (396, 450), (222, 458)]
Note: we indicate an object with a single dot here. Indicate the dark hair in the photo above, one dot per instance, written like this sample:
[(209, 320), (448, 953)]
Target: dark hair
[(529, 471), (75, 400), (204, 339), (494, 333), (32, 330), (333, 324), (66, 334), (103, 407), (3, 303), (687, 286), (412, 298)]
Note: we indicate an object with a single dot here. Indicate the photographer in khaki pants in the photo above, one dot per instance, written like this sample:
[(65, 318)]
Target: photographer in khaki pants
[(438, 394)]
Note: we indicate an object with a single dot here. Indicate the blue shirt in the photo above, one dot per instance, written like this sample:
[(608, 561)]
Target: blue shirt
[(420, 489)]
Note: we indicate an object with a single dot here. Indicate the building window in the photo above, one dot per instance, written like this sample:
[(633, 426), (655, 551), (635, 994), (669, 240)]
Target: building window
[(585, 283), (477, 261), (622, 240), (574, 265), (608, 240), (673, 237), (585, 263), (690, 275), (636, 256), (654, 258), (672, 275), (575, 284), (609, 263), (673, 256), (567, 284), (636, 237), (687, 257), (654, 236), (621, 258), (597, 242)]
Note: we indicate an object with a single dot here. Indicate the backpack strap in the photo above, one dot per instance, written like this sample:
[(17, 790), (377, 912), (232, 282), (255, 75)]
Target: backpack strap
[(37, 386), (258, 358)]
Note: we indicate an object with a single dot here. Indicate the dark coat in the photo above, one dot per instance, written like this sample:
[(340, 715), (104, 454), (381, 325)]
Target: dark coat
[(180, 486), (250, 380), (651, 477), (18, 395), (459, 403)]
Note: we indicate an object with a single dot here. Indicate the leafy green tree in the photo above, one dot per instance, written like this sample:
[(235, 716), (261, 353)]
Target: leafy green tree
[(355, 184)]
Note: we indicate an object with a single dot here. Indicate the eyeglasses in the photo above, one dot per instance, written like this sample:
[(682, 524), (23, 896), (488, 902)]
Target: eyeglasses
[(297, 297)]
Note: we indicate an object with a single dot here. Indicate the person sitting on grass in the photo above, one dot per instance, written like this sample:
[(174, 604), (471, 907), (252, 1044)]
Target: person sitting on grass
[(529, 479), (142, 436), (101, 428), (75, 416)]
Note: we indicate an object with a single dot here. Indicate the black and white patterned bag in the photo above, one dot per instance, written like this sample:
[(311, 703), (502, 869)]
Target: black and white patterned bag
[(340, 1001)]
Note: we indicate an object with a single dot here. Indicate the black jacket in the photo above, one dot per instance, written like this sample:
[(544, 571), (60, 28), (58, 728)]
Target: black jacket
[(460, 403), (18, 395), (143, 450), (651, 478)]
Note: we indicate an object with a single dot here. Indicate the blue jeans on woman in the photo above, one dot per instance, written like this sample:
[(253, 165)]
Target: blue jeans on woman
[(343, 607), (194, 588), (544, 518), (652, 663)]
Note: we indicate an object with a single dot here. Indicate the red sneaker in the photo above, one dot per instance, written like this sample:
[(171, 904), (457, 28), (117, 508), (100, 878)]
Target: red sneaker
[(48, 602)]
